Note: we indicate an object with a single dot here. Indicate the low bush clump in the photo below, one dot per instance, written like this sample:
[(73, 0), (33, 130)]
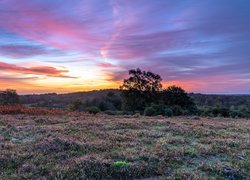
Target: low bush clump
[(149, 111), (92, 110), (168, 112), (75, 106), (159, 109), (177, 110)]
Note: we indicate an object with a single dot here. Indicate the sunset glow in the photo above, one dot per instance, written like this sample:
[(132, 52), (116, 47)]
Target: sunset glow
[(67, 46)]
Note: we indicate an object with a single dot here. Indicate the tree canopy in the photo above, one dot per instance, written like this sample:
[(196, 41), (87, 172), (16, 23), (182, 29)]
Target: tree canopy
[(140, 89), (174, 95), (143, 89), (142, 81)]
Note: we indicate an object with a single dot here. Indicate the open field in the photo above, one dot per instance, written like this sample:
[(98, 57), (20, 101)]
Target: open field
[(102, 146)]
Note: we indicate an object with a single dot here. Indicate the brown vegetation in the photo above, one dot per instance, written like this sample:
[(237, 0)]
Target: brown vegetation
[(20, 109), (103, 146)]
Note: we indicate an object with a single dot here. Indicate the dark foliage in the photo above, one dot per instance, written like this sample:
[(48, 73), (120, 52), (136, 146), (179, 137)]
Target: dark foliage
[(176, 96), (150, 111), (158, 109), (202, 101), (109, 102), (240, 112), (211, 100), (177, 110), (53, 100), (140, 89), (92, 110), (168, 112), (9, 97)]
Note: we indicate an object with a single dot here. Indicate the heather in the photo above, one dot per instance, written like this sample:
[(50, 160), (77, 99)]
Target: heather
[(85, 146)]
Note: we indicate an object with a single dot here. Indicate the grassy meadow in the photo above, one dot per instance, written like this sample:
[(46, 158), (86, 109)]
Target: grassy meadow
[(84, 146)]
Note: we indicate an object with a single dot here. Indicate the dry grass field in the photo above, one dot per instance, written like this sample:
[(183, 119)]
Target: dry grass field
[(123, 147)]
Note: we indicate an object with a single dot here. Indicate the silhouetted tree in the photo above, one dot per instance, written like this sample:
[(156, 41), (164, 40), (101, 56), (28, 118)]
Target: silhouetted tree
[(176, 96), (9, 97), (140, 89)]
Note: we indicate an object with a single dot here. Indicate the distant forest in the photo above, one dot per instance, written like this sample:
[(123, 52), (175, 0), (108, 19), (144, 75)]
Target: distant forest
[(141, 93), (62, 100)]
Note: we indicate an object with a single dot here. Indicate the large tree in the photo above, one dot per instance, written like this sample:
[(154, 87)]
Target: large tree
[(140, 89)]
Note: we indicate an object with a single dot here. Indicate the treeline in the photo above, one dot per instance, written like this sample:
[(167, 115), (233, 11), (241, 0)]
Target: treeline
[(241, 111), (54, 100), (142, 93), (110, 104), (227, 101), (235, 106)]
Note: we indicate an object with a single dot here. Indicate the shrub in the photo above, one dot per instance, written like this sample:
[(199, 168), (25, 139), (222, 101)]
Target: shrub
[(159, 109), (173, 96), (9, 97), (217, 111), (234, 114), (177, 110), (187, 112), (92, 110), (168, 112), (75, 106), (149, 111), (224, 112)]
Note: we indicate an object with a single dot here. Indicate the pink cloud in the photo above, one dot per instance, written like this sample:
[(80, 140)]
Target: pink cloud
[(47, 27), (39, 70), (107, 65)]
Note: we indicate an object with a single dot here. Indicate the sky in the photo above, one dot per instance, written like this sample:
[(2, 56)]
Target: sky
[(74, 45)]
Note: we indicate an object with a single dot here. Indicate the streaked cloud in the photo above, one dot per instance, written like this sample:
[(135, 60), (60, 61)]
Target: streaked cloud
[(37, 70), (202, 45)]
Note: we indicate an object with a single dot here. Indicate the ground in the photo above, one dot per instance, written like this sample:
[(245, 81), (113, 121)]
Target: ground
[(123, 147)]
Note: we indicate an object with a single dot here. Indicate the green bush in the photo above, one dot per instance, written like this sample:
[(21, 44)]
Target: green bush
[(177, 110), (159, 109), (221, 112), (234, 114), (149, 111), (120, 163), (168, 112), (92, 110), (225, 112), (187, 113)]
